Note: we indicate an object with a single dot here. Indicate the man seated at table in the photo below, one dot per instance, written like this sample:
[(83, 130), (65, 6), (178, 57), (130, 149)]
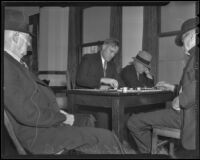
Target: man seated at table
[(181, 114), (99, 71), (138, 74), (38, 123)]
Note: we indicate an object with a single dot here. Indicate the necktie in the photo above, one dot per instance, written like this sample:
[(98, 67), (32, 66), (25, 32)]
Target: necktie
[(138, 76), (104, 68)]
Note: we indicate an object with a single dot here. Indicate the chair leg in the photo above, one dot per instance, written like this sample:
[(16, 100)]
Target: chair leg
[(171, 149), (154, 143)]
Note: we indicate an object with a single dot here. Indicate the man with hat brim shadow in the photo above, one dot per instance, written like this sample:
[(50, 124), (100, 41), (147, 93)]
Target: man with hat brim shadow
[(38, 123), (182, 113), (137, 74)]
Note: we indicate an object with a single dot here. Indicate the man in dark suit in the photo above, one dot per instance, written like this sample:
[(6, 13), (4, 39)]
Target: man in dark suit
[(137, 74), (39, 124), (99, 71), (182, 114)]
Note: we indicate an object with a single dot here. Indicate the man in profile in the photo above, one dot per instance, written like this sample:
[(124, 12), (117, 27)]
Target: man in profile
[(182, 113), (138, 74)]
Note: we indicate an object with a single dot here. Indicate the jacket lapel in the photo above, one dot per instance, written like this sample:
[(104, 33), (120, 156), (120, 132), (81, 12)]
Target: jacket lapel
[(192, 52), (25, 70), (38, 80)]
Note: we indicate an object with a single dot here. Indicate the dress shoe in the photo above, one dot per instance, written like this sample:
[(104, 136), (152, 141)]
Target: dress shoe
[(185, 154)]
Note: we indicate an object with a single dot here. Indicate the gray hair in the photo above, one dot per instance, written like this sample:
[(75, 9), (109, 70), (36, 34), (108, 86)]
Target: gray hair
[(111, 41)]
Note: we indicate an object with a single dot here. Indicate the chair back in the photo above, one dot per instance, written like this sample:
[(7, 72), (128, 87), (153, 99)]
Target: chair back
[(70, 83), (12, 135), (68, 80)]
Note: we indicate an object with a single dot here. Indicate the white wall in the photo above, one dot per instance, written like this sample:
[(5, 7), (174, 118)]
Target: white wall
[(132, 32), (53, 42), (175, 13), (171, 59), (96, 26), (53, 46)]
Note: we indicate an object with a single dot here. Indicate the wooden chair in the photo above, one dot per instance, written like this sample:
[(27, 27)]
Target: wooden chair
[(68, 80), (70, 83), (171, 133), (16, 142), (12, 135)]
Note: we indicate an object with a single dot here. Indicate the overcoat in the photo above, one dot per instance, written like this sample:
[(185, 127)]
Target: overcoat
[(38, 124), (188, 103)]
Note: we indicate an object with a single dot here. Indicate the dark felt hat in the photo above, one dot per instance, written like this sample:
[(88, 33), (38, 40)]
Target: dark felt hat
[(15, 20), (186, 26)]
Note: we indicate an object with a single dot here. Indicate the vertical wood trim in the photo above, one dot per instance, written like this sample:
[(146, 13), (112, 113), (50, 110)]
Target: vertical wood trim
[(74, 42), (197, 86), (150, 36), (159, 20), (81, 36), (158, 29), (33, 60), (118, 117), (116, 32)]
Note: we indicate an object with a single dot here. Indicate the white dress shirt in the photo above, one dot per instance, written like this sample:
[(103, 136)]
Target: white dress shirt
[(16, 57)]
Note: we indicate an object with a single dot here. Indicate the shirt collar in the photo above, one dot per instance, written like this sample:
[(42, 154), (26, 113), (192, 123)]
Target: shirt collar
[(192, 50), (13, 55), (102, 59)]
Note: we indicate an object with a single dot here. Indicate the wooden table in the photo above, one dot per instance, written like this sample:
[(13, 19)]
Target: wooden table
[(117, 101)]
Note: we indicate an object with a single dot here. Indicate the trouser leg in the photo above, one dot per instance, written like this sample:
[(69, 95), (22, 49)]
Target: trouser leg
[(102, 116), (84, 120), (140, 125), (106, 142)]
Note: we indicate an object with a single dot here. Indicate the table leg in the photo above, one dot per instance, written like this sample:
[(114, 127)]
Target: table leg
[(118, 118), (70, 103)]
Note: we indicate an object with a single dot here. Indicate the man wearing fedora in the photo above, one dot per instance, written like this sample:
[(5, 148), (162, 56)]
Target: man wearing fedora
[(38, 123), (137, 74), (182, 113)]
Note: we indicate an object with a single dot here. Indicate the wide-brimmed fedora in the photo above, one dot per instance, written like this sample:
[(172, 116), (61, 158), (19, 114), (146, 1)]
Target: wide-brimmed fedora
[(15, 20), (186, 26), (144, 58)]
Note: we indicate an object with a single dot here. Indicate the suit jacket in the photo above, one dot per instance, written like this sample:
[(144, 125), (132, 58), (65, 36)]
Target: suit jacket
[(34, 113), (90, 71), (129, 77), (187, 103)]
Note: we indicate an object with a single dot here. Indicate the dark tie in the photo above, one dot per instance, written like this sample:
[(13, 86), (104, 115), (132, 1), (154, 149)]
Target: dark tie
[(138, 77), (104, 68)]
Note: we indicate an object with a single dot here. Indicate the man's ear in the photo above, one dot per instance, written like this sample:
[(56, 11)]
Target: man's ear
[(193, 39), (15, 37), (103, 46)]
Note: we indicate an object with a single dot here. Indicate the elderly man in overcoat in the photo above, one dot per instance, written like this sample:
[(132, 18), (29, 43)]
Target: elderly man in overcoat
[(182, 114), (38, 123)]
